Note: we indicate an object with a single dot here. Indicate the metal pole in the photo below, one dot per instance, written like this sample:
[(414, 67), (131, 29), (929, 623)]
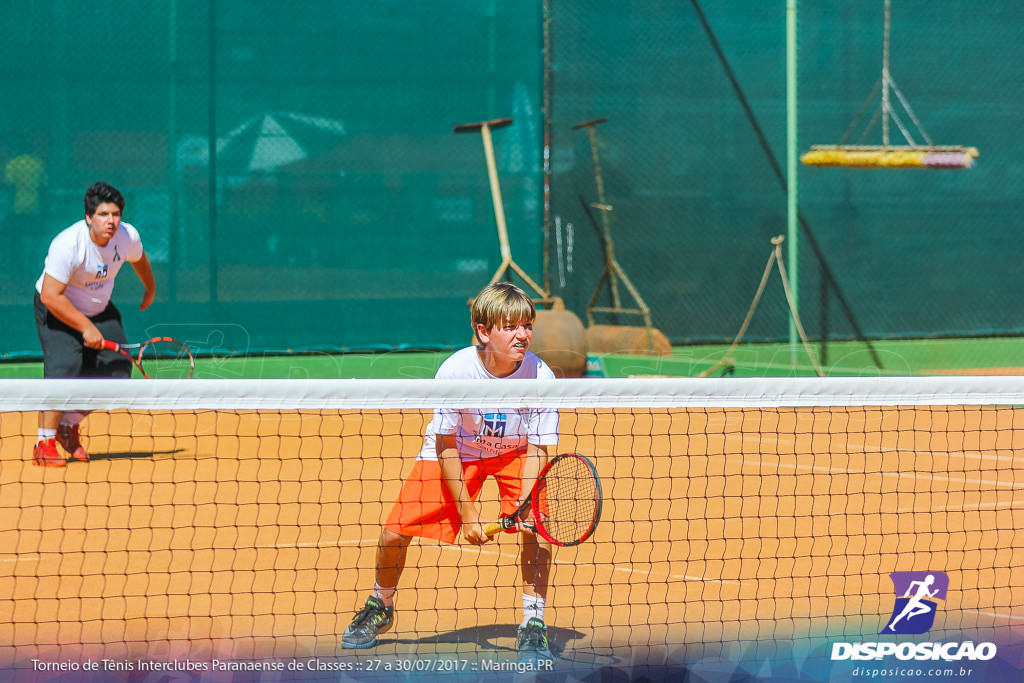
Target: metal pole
[(173, 178), (547, 78), (886, 79), (212, 147), (792, 159)]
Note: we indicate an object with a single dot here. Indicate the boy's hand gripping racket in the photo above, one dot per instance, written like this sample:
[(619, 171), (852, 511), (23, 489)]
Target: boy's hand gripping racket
[(565, 504), (157, 358)]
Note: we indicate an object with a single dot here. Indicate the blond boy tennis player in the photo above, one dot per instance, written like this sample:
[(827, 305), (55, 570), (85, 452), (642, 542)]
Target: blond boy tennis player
[(461, 449)]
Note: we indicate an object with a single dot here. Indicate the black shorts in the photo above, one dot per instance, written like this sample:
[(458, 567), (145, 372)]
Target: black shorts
[(65, 355)]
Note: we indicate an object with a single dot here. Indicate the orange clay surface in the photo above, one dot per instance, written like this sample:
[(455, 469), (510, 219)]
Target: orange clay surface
[(227, 536)]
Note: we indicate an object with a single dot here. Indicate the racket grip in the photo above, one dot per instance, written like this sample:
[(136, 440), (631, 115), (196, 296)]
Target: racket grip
[(507, 524), (113, 346)]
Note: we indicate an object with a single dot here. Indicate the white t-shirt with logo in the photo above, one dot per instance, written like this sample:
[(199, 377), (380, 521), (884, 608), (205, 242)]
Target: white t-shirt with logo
[(87, 269), (490, 432)]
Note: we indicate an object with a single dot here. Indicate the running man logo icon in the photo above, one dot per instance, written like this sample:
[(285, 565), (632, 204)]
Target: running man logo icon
[(915, 607)]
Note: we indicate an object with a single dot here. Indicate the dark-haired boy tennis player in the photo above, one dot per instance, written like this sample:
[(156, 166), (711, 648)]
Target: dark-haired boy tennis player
[(461, 449), (74, 313)]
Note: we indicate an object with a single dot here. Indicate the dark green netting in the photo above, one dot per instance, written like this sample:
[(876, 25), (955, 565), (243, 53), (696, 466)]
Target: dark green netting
[(340, 211)]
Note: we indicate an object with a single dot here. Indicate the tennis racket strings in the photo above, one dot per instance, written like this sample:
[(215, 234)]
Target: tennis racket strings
[(166, 359), (567, 502)]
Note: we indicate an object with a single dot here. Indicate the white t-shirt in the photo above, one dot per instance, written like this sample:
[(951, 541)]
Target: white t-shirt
[(87, 269), (489, 432)]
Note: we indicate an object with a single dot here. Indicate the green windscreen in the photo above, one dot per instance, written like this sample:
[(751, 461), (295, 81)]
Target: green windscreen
[(292, 168), (294, 173), (694, 162)]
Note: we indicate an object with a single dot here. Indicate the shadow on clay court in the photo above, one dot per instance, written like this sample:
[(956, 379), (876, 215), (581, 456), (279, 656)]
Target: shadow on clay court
[(131, 455), (487, 638)]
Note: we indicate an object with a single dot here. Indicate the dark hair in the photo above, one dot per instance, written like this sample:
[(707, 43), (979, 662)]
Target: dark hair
[(101, 193)]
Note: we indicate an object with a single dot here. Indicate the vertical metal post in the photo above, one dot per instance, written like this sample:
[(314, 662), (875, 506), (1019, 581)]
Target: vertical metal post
[(173, 177), (547, 78), (212, 147), (886, 79), (792, 159)]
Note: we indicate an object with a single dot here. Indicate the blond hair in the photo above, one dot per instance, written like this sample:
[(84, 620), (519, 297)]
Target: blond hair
[(499, 303)]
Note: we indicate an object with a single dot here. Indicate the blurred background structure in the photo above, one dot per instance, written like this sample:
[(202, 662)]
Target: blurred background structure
[(297, 184)]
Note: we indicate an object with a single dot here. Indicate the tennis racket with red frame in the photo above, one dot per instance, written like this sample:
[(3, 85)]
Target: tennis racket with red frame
[(565, 504), (157, 358)]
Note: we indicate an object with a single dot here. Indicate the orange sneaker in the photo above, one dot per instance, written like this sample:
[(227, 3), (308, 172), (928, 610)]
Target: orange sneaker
[(46, 455), (67, 436)]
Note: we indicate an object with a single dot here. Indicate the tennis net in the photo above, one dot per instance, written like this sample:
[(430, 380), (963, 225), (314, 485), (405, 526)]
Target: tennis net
[(747, 523)]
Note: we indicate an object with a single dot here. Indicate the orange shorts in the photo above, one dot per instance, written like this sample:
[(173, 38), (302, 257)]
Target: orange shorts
[(425, 506)]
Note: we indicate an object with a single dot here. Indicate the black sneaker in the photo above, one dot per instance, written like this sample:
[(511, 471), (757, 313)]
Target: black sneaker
[(533, 642), (368, 623)]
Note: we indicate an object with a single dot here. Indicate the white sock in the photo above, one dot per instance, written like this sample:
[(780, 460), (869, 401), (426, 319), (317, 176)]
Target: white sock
[(385, 595), (532, 607), (47, 434), (72, 418)]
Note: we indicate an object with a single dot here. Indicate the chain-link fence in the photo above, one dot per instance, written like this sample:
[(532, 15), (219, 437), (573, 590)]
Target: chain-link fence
[(694, 158), (298, 185)]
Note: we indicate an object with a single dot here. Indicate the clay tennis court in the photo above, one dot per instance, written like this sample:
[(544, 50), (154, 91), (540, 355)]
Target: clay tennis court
[(252, 535)]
